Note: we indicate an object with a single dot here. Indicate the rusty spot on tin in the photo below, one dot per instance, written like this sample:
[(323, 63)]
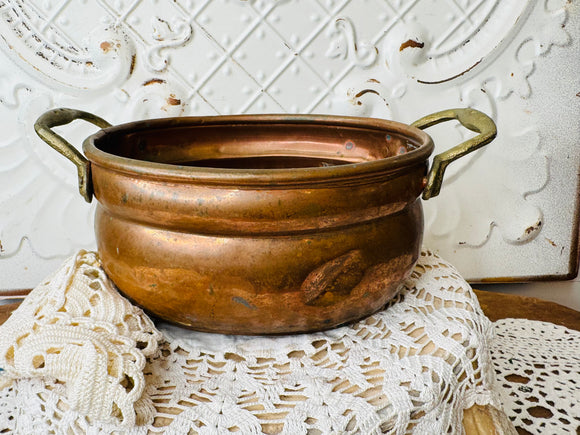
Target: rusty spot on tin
[(551, 242), (133, 61), (533, 228), (106, 46), (154, 81), (172, 101), (1, 247), (373, 81), (41, 54), (451, 78), (411, 43), (366, 91)]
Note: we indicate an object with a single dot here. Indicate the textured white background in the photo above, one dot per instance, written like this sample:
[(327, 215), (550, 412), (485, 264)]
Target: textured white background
[(506, 212)]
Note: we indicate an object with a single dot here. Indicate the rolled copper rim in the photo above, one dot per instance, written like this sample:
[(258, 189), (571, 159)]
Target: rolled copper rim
[(277, 176)]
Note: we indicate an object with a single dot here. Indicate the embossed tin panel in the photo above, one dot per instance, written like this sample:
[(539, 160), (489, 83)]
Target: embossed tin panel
[(507, 213)]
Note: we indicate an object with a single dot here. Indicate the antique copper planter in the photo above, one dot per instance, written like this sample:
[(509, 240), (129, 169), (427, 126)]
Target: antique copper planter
[(260, 224)]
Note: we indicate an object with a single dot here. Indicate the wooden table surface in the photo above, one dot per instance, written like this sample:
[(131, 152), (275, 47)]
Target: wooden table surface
[(495, 306)]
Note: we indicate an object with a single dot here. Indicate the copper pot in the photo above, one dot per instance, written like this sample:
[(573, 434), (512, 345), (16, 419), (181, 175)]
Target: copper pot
[(260, 224)]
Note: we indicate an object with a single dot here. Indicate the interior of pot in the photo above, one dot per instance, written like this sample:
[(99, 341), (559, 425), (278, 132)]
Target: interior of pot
[(269, 145)]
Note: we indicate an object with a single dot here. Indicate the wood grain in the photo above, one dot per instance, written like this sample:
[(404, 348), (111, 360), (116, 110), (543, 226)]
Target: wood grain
[(6, 311), (504, 306)]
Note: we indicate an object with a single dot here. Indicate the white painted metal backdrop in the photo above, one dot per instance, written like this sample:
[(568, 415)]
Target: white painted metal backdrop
[(507, 212)]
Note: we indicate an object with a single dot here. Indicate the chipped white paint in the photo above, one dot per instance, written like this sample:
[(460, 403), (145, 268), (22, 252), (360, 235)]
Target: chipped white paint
[(506, 211)]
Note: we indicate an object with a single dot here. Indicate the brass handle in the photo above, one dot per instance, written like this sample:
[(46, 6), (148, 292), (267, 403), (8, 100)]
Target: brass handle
[(56, 117), (469, 118)]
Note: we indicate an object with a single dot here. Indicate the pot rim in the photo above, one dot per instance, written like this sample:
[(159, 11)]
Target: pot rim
[(242, 176)]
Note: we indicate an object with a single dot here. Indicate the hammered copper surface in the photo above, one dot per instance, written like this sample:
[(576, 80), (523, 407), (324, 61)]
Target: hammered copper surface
[(258, 224)]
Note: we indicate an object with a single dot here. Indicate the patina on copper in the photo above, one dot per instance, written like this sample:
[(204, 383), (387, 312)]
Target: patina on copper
[(261, 224)]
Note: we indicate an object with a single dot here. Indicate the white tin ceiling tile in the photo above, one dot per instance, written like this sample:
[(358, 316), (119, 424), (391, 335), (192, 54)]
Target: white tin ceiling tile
[(506, 212), (250, 53)]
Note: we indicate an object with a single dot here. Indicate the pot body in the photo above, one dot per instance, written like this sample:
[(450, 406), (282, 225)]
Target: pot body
[(225, 263), (268, 227)]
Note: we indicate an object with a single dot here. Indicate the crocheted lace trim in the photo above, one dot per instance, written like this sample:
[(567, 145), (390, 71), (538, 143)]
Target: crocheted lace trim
[(78, 334)]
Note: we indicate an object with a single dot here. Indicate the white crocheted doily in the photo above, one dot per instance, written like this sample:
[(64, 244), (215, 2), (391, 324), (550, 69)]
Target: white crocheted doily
[(537, 367), (76, 356)]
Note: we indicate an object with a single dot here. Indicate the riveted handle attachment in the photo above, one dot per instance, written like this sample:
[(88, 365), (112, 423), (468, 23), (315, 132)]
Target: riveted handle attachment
[(56, 117), (469, 118)]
